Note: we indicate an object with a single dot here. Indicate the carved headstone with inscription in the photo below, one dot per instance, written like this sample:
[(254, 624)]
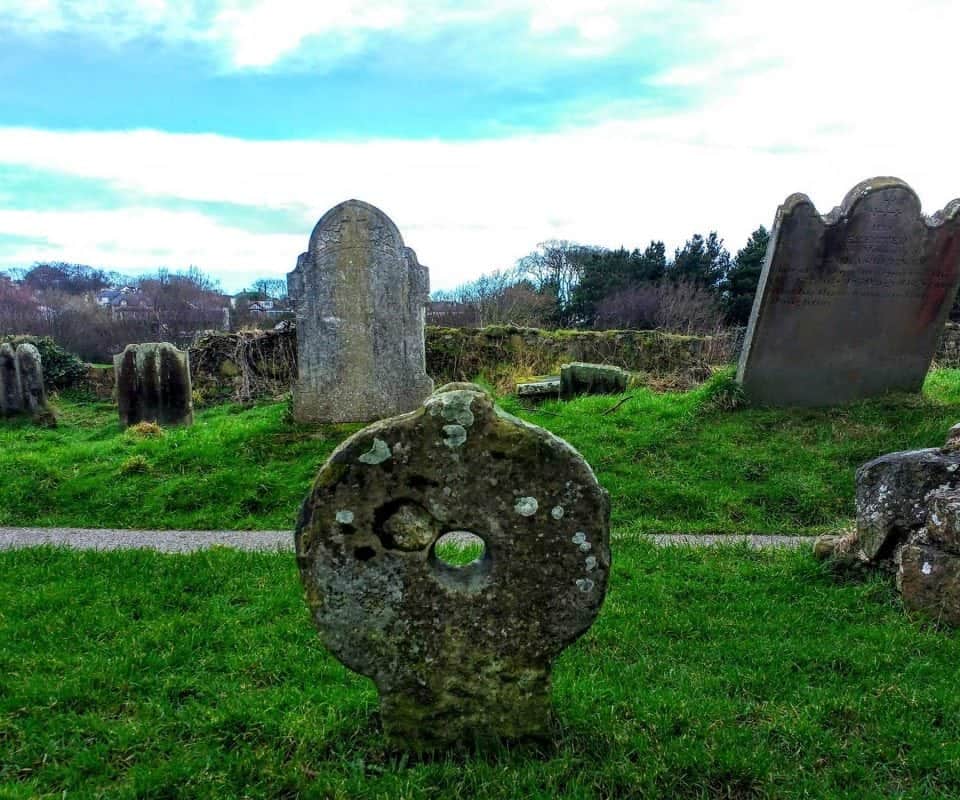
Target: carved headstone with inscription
[(360, 298), (850, 305)]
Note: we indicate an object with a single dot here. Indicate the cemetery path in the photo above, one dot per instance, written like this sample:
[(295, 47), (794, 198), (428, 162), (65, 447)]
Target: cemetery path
[(190, 541)]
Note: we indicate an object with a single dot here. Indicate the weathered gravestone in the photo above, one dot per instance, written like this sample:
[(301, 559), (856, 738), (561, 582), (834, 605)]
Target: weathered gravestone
[(908, 522), (360, 298), (11, 393), (850, 305), (21, 383), (153, 384), (457, 653), (580, 378), (32, 390)]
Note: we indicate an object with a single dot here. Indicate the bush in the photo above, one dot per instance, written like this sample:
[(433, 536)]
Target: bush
[(145, 430), (61, 369)]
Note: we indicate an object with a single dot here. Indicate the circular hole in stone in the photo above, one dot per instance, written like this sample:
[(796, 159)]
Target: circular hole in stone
[(459, 549), (364, 553)]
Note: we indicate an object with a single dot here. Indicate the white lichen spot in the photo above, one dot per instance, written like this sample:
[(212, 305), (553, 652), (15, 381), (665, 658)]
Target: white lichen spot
[(585, 585), (591, 563), (345, 517), (927, 568), (447, 491), (585, 547), (557, 512), (952, 468), (579, 537), (526, 506), (377, 454), (455, 435)]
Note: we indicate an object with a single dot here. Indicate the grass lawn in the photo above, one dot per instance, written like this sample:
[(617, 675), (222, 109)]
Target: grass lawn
[(672, 462), (709, 674)]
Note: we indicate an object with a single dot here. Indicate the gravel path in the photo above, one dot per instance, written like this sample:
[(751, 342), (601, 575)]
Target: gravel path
[(189, 541)]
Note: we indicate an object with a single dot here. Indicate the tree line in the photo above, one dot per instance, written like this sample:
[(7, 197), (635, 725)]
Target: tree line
[(568, 285)]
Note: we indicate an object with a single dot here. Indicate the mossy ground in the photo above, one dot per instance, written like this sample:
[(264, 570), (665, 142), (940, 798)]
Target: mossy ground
[(720, 673), (673, 462)]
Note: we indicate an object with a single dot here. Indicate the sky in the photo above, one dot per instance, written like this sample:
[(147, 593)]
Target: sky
[(138, 134)]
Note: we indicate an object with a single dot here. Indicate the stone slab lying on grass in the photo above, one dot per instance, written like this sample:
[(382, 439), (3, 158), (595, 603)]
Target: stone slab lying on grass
[(548, 387), (581, 378), (458, 653)]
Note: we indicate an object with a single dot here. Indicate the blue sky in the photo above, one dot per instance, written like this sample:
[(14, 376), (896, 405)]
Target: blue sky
[(136, 134)]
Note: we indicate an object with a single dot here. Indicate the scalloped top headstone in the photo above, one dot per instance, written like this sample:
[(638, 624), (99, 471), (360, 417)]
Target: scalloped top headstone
[(458, 653), (850, 305), (360, 297), (153, 384)]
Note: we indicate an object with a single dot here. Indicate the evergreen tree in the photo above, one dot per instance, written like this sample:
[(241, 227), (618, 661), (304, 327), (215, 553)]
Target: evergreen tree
[(701, 261), (740, 284)]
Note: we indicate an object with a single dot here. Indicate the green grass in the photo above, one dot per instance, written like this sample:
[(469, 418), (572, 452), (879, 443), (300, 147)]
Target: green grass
[(672, 462), (709, 674)]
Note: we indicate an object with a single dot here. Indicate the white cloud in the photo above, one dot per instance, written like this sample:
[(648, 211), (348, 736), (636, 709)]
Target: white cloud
[(812, 97)]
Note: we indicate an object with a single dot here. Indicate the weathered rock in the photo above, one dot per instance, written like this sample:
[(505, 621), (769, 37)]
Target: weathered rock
[(581, 378), (360, 297), (11, 393), (929, 580), (942, 528), (457, 653), (153, 385), (891, 497), (851, 305)]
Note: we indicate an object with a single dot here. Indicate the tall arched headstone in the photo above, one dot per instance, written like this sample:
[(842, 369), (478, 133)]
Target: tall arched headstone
[(851, 305), (153, 384), (360, 297)]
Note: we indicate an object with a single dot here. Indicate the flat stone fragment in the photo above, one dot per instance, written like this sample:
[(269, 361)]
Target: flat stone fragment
[(360, 297), (580, 378), (548, 387), (929, 581), (153, 384), (851, 305), (458, 654)]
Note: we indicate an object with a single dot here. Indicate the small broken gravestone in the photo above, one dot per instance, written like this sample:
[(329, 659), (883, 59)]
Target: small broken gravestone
[(908, 522), (458, 653), (581, 378), (851, 305), (360, 297), (153, 384), (21, 383)]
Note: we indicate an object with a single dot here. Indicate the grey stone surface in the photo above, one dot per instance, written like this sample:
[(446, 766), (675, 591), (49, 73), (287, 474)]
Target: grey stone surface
[(908, 522), (11, 393), (30, 368), (21, 383), (548, 387), (360, 297), (850, 305), (458, 653), (580, 378), (153, 384)]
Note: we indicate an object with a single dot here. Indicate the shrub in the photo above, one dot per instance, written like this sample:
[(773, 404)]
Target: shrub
[(61, 369), (135, 465), (145, 430)]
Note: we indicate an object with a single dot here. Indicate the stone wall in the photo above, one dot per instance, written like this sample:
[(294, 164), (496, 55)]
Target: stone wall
[(252, 364), (948, 352)]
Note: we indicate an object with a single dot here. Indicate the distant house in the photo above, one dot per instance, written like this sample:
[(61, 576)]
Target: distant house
[(124, 302), (268, 307)]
